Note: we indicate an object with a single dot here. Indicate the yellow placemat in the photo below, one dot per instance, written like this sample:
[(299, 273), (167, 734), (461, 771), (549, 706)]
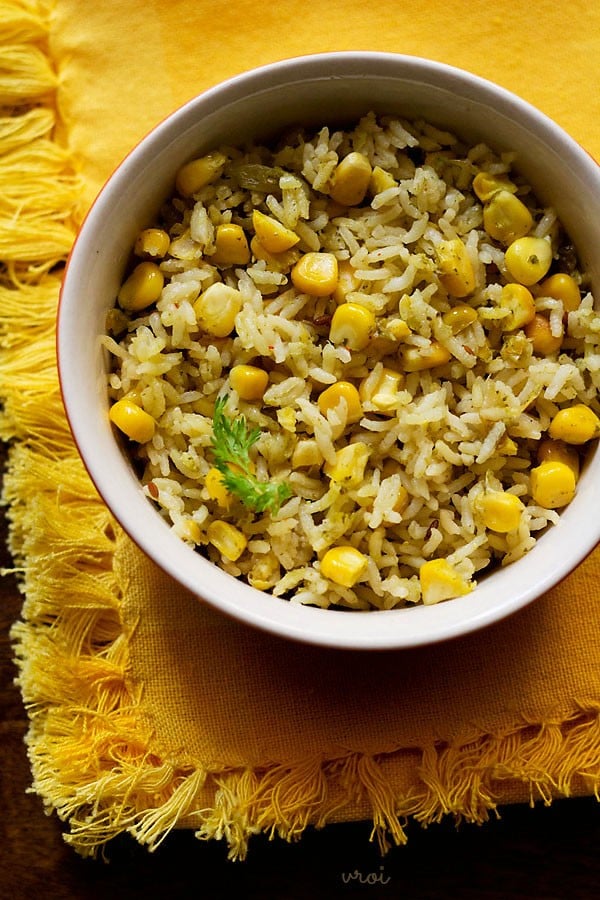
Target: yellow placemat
[(148, 710)]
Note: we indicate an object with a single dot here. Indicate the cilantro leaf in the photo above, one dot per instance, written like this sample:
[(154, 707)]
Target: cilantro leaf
[(231, 443)]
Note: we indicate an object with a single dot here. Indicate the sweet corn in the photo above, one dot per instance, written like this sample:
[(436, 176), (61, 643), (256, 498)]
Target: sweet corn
[(501, 511), (197, 173), (506, 218), (214, 484), (265, 572), (507, 447), (347, 281), (397, 329), (528, 259), (520, 303), (440, 581), (486, 184), (350, 179), (273, 236), (382, 393), (142, 288), (553, 484), (402, 500), (229, 540), (217, 308), (538, 331), (316, 273), (575, 425), (306, 453), (344, 565), (561, 286), (558, 451), (381, 180), (349, 466), (152, 243), (417, 359), (249, 382), (459, 317), (279, 262), (231, 246), (189, 530), (352, 325), (132, 420), (287, 418), (344, 391), (455, 268)]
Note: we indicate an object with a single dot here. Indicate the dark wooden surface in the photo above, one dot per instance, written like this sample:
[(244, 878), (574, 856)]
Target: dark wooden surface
[(552, 853)]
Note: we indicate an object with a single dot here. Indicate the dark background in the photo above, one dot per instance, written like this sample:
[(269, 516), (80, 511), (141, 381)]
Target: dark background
[(551, 853)]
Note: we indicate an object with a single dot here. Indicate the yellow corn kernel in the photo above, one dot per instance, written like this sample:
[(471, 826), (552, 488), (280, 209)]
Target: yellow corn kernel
[(197, 173), (440, 581), (214, 484), (350, 179), (553, 484), (558, 451), (347, 281), (152, 243), (528, 259), (397, 329), (344, 565), (132, 420), (142, 288), (507, 447), (538, 331), (506, 218), (279, 262), (459, 317), (231, 246), (520, 303), (383, 392), (349, 466), (575, 425), (189, 530), (249, 382), (352, 325), (287, 418), (561, 286), (306, 453), (273, 236), (265, 572), (228, 539), (417, 359), (486, 184), (501, 511), (341, 391), (402, 500), (381, 180), (216, 309), (316, 273), (455, 268)]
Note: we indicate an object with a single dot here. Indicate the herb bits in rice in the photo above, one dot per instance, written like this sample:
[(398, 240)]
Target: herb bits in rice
[(357, 368)]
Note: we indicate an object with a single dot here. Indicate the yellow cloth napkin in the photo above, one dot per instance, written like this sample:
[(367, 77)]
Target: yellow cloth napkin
[(148, 710)]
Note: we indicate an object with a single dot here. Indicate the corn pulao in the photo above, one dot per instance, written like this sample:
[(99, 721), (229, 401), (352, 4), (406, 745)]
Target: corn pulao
[(356, 368)]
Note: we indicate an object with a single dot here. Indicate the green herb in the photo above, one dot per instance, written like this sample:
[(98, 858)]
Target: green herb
[(231, 443), (256, 177)]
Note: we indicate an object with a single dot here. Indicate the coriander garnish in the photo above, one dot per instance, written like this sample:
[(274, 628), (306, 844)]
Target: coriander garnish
[(231, 443)]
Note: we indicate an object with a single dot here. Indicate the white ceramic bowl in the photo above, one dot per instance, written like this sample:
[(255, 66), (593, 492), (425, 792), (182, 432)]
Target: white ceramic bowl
[(333, 88)]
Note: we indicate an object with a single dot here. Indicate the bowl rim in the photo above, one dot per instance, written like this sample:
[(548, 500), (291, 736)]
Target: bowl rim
[(324, 627)]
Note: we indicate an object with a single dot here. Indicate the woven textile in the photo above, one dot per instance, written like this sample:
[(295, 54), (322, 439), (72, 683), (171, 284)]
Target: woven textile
[(148, 710)]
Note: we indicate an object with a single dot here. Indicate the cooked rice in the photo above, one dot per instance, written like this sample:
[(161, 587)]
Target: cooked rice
[(442, 442)]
